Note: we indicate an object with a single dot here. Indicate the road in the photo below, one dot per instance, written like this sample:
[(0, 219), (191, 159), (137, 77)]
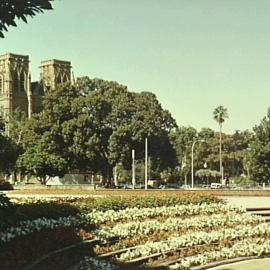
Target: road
[(249, 202)]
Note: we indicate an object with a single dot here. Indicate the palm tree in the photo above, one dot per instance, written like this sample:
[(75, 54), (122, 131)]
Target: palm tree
[(220, 113)]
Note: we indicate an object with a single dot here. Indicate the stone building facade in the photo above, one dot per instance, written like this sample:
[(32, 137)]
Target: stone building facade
[(17, 91)]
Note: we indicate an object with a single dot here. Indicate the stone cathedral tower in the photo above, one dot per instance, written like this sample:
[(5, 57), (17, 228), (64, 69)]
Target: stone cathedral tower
[(16, 89), (55, 72), (15, 84)]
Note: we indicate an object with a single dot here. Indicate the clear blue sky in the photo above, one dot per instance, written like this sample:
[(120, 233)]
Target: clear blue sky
[(193, 54)]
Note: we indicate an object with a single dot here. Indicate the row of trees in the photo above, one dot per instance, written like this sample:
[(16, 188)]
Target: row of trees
[(93, 127), (207, 151)]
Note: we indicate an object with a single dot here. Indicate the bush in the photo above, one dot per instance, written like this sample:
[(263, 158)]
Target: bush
[(119, 203), (47, 210), (243, 181), (4, 202), (55, 210), (7, 209), (4, 185)]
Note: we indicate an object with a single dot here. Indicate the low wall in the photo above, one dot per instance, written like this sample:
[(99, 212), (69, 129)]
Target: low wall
[(48, 187), (69, 179)]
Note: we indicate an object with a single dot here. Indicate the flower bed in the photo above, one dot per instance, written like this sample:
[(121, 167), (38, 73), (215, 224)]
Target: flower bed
[(243, 248), (166, 211), (53, 207), (97, 217), (149, 227), (196, 238), (174, 224), (25, 249), (203, 229)]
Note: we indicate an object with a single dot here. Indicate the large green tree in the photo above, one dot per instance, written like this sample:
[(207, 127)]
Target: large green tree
[(21, 9), (259, 161), (95, 125), (219, 114)]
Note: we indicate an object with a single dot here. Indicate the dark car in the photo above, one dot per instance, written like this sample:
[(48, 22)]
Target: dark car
[(169, 186)]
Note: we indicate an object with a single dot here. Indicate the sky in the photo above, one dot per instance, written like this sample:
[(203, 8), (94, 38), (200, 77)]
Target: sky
[(193, 54)]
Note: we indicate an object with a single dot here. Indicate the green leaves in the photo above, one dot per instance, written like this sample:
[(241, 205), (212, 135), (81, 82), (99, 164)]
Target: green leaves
[(259, 156), (220, 113), (42, 164), (21, 9), (234, 150), (96, 124), (9, 152)]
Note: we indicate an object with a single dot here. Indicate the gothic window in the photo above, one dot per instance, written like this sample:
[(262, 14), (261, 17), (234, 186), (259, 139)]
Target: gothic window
[(1, 85), (22, 82), (16, 82), (58, 79), (65, 79)]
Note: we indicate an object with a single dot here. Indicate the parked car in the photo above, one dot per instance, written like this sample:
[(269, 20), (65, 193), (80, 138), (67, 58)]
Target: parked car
[(215, 185), (169, 186), (186, 187)]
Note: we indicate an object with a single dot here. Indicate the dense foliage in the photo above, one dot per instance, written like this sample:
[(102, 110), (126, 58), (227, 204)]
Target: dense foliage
[(6, 210), (21, 9), (207, 152), (41, 164), (259, 154), (93, 127), (9, 152)]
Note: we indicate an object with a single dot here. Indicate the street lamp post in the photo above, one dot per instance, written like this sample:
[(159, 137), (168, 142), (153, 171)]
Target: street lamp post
[(192, 163), (146, 165), (133, 169)]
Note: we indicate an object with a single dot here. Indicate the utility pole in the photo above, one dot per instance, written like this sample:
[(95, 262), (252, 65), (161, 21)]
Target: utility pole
[(146, 165), (133, 169)]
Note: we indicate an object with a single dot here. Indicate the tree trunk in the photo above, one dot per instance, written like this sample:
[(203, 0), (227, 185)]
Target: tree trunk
[(109, 175), (220, 151), (43, 180)]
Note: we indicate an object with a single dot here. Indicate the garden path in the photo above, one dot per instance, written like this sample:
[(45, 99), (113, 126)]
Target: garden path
[(261, 264)]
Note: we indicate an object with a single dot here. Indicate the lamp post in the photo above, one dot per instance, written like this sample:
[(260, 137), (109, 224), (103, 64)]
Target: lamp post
[(133, 169), (192, 165), (146, 165)]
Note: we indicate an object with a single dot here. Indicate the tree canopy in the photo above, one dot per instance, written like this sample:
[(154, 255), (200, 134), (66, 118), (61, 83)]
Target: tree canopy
[(234, 152), (206, 153), (41, 164), (9, 153), (95, 125), (219, 114), (259, 153), (21, 9)]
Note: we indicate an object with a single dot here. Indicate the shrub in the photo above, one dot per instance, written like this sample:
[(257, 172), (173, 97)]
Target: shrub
[(243, 181), (4, 202), (119, 203), (4, 185), (7, 209), (47, 210)]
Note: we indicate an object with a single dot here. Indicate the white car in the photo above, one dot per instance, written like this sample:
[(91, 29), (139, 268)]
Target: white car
[(215, 185)]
